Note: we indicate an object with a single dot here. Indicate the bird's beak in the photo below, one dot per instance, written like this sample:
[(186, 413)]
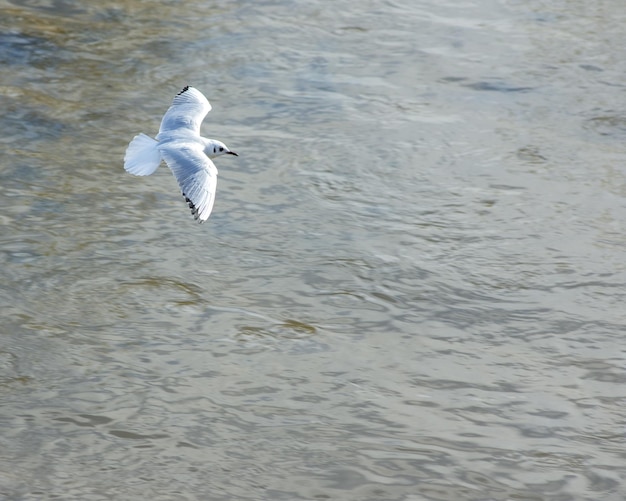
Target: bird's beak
[(233, 153)]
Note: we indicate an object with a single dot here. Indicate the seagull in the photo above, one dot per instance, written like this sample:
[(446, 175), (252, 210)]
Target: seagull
[(184, 150)]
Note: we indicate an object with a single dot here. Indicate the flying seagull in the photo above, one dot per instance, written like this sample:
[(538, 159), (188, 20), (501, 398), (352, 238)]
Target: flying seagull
[(185, 152)]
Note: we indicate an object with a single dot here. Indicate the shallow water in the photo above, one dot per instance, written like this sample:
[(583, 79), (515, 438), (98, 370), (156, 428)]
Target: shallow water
[(411, 286)]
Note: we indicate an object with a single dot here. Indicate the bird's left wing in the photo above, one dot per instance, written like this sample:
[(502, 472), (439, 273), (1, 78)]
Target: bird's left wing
[(186, 112), (195, 173)]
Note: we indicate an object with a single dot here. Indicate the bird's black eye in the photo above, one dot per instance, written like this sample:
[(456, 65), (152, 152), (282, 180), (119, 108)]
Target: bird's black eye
[(221, 149), (214, 150)]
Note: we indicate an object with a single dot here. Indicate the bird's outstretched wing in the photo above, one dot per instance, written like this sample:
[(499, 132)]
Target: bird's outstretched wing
[(195, 173), (186, 112)]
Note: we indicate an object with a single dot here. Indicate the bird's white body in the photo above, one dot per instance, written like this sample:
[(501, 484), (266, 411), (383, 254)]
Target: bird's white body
[(185, 152)]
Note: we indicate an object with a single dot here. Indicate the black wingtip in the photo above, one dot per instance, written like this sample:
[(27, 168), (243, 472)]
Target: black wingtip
[(185, 89), (194, 210)]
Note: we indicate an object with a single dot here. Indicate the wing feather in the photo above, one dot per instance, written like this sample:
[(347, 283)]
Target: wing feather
[(196, 175), (186, 112)]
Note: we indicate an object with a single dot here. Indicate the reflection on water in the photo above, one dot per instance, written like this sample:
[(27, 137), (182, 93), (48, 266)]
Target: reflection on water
[(410, 286)]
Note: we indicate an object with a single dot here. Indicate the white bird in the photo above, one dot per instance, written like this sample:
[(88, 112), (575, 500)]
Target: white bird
[(186, 153)]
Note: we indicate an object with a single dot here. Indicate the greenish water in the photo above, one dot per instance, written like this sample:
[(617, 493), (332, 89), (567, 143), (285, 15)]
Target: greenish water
[(411, 286)]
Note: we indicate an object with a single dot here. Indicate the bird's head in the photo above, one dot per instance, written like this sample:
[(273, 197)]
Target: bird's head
[(214, 148)]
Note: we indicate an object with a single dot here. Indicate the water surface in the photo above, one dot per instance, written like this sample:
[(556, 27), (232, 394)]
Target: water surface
[(411, 286)]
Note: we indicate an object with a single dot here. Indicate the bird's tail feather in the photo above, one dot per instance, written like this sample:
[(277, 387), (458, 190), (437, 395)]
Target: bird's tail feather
[(142, 156)]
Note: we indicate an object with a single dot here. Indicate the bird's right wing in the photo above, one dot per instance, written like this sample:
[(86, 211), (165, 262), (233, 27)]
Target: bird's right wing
[(186, 112), (195, 173)]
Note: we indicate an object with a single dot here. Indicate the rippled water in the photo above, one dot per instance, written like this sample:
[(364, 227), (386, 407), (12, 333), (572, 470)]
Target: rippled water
[(411, 286)]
